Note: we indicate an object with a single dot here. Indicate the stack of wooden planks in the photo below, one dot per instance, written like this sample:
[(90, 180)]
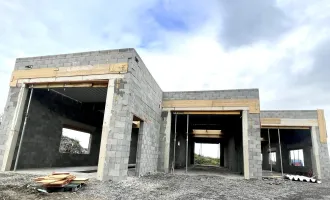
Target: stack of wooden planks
[(60, 181)]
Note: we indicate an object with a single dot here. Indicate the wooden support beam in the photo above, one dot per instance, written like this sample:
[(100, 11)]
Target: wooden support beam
[(322, 126), (207, 136), (97, 69), (208, 113), (283, 122), (285, 127), (70, 84), (252, 104)]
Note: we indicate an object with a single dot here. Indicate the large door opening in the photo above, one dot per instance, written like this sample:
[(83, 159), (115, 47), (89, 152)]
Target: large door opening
[(286, 150), (221, 129), (63, 130)]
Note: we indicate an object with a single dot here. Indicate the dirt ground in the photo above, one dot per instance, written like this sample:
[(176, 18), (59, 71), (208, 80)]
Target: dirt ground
[(166, 186)]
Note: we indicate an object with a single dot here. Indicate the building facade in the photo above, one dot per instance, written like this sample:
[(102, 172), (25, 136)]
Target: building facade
[(112, 96)]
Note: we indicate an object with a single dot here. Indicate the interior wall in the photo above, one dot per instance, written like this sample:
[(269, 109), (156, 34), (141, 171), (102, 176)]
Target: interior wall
[(180, 152), (233, 154), (48, 114)]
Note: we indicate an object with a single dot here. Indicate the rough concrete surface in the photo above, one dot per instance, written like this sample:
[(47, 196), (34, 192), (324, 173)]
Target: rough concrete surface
[(167, 186)]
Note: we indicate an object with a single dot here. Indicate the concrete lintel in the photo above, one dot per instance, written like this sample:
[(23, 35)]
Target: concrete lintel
[(291, 122), (101, 171), (245, 139), (316, 154), (70, 78), (15, 125), (167, 142), (229, 108)]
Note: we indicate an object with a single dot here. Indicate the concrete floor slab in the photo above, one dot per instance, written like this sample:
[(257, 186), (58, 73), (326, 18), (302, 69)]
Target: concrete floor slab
[(73, 170), (197, 170)]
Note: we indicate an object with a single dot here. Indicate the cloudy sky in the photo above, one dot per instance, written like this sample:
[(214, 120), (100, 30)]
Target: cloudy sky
[(281, 47)]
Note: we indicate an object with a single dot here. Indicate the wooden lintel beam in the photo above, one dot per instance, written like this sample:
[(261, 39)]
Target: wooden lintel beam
[(208, 112), (97, 69), (252, 104), (285, 127), (207, 136)]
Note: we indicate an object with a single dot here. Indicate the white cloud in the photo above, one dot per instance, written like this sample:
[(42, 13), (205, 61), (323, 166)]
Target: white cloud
[(195, 47)]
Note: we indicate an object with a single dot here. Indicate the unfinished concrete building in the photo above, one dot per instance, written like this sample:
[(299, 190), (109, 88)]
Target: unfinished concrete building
[(136, 127)]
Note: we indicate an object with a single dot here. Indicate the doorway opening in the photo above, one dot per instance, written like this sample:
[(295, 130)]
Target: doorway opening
[(63, 130), (224, 131)]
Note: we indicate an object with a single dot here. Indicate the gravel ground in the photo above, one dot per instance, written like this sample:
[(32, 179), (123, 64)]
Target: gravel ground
[(166, 186)]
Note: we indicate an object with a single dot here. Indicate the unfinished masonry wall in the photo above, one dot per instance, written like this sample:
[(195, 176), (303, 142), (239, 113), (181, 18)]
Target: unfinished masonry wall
[(8, 116), (48, 114), (323, 154), (254, 145), (136, 94)]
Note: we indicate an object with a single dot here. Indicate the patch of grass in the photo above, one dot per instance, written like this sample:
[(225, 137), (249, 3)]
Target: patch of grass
[(202, 160)]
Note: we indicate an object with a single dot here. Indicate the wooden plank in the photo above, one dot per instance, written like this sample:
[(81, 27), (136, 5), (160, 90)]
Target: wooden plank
[(206, 132), (209, 112), (68, 85), (284, 127), (97, 69), (207, 136), (322, 126), (253, 104)]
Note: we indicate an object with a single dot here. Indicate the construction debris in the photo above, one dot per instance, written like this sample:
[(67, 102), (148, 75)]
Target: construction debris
[(59, 182), (302, 178)]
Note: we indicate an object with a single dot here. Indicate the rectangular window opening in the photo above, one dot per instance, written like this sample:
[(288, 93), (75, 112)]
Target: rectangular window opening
[(272, 158), (75, 141), (297, 158)]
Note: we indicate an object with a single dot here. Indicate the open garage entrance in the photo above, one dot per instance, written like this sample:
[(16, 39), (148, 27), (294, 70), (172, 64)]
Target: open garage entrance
[(191, 128), (63, 129), (287, 151)]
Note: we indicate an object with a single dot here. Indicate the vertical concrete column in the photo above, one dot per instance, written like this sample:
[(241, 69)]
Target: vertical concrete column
[(102, 164), (245, 139), (167, 142), (316, 154), (14, 127)]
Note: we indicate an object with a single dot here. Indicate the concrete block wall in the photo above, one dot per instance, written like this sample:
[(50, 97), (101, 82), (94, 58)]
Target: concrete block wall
[(324, 156), (253, 119), (289, 114), (255, 163), (41, 142), (162, 141), (212, 95), (7, 119), (305, 114), (136, 94), (76, 59)]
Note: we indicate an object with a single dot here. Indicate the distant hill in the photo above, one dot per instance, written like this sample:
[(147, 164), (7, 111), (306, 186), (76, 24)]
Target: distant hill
[(69, 145), (202, 160)]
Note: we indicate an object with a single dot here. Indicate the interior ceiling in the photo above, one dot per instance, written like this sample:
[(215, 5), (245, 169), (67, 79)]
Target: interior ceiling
[(86, 95)]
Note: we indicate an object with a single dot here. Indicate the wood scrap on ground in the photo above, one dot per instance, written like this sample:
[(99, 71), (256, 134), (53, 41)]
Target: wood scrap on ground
[(58, 181)]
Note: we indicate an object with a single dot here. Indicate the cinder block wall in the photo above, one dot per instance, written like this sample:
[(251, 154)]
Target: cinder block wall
[(305, 114), (136, 94), (162, 141), (41, 142), (7, 119), (75, 59), (255, 165)]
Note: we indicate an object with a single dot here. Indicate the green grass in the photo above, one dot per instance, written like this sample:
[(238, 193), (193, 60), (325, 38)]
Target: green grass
[(201, 160)]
